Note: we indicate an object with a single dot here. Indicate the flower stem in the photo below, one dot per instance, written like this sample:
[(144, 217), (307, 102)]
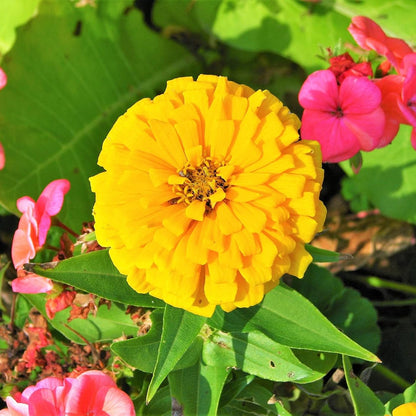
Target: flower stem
[(389, 303), (392, 376), (377, 282), (64, 227)]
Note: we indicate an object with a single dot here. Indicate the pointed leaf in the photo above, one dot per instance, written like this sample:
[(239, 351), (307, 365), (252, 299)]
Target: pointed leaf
[(365, 402), (255, 353), (288, 318), (180, 328), (141, 352), (320, 255), (198, 389), (343, 306), (95, 273)]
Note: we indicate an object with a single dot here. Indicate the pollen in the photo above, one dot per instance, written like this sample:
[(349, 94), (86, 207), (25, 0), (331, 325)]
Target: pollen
[(201, 183)]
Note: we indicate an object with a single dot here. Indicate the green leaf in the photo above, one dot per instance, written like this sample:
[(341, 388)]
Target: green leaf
[(180, 328), (257, 354), (71, 73), (344, 307), (160, 406), (408, 396), (365, 402), (321, 255), (386, 180), (148, 346), (288, 318), (198, 389), (106, 325), (95, 273), (13, 14)]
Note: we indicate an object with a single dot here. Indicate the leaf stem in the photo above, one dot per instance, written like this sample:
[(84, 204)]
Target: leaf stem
[(392, 376), (380, 283), (389, 303)]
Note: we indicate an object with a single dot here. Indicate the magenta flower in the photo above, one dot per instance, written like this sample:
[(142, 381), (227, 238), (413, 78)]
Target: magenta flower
[(344, 118), (91, 393), (3, 79), (31, 234)]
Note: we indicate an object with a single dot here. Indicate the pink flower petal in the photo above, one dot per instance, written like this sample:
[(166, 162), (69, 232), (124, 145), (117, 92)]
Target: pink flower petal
[(17, 409), (367, 33), (2, 157), (52, 197), (337, 141), (358, 95), (25, 203), (22, 248), (367, 128), (3, 79), (49, 204), (32, 283), (42, 402), (117, 403), (319, 91)]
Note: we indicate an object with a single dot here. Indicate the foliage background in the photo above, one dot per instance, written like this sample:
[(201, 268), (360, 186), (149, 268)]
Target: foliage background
[(74, 66)]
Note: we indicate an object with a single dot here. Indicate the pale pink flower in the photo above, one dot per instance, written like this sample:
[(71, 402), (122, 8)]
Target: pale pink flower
[(344, 118), (31, 234), (91, 393)]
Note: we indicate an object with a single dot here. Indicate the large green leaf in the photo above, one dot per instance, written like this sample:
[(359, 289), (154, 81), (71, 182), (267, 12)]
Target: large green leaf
[(106, 325), (257, 354), (198, 389), (344, 307), (13, 14), (180, 328), (386, 180), (288, 318), (95, 273), (72, 72), (365, 402)]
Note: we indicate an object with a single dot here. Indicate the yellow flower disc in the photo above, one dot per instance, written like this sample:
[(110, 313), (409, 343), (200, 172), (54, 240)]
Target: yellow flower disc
[(208, 195), (406, 409)]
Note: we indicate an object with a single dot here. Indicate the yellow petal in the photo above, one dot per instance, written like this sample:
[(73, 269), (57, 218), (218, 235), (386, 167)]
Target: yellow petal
[(300, 260), (195, 210), (227, 221), (252, 218)]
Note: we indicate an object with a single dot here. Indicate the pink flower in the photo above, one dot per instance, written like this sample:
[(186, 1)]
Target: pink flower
[(344, 66), (91, 393), (407, 104), (3, 79), (344, 118), (2, 157), (31, 234), (370, 36)]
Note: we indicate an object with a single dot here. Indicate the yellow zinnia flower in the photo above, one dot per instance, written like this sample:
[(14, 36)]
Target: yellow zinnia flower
[(406, 409), (208, 196)]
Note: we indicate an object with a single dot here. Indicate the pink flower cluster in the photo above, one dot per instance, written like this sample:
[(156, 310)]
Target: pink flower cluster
[(91, 393), (31, 234), (346, 111)]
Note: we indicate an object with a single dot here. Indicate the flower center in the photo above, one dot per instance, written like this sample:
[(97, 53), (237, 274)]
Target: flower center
[(202, 183), (338, 113)]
